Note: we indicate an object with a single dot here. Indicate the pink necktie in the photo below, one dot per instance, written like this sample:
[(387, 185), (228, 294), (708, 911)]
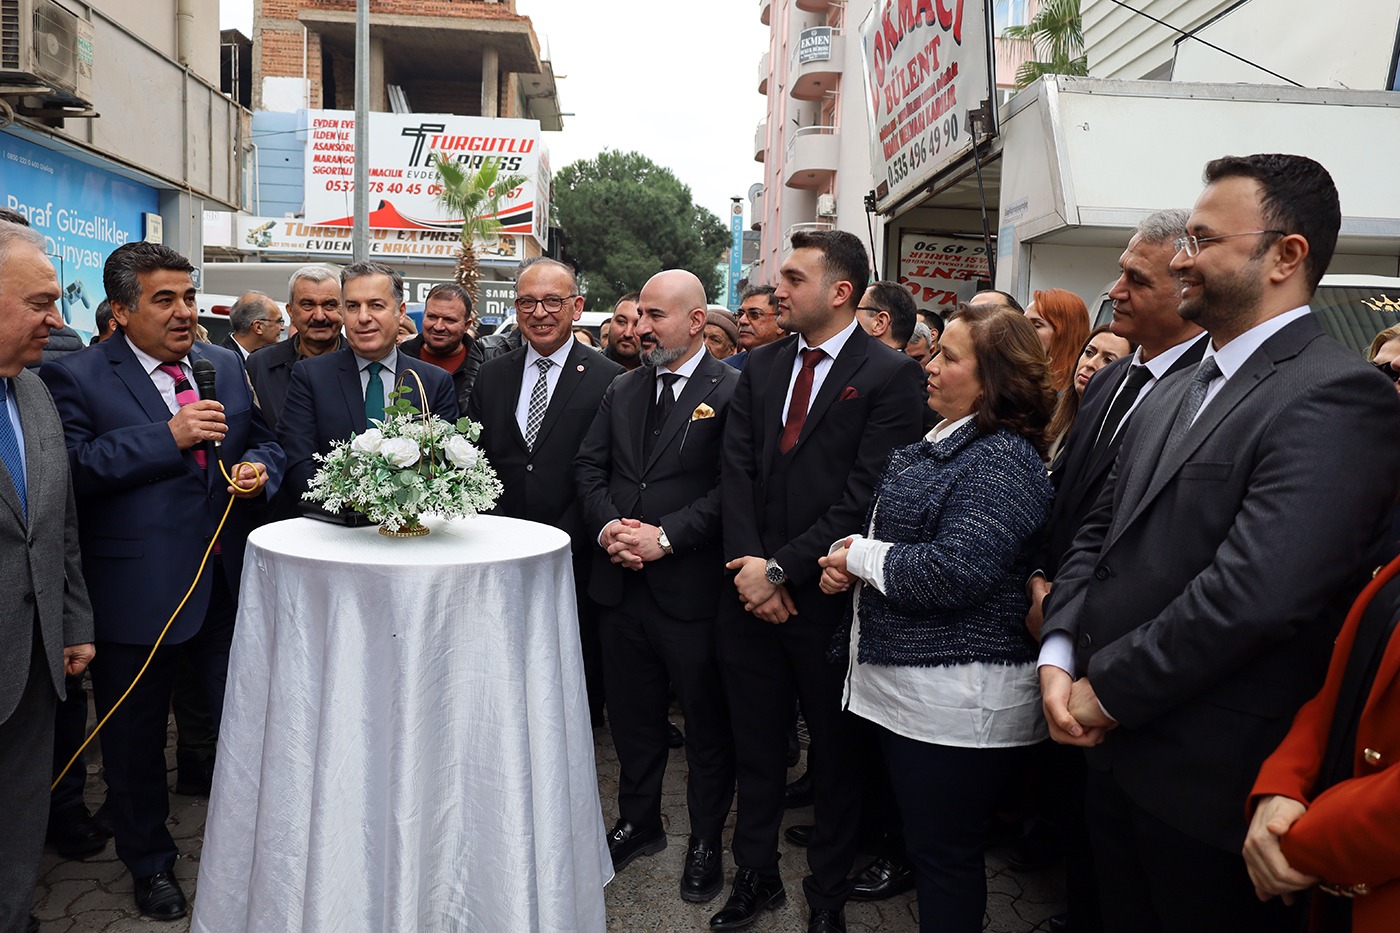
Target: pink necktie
[(184, 395)]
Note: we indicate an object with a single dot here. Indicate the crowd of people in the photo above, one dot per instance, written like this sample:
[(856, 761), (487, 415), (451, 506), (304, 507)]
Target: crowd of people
[(943, 542)]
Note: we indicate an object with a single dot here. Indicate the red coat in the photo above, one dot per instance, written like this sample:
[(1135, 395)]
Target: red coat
[(1350, 834)]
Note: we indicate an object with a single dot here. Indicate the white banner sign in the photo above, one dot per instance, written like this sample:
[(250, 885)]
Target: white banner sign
[(940, 271), (926, 64), (403, 181), (277, 235)]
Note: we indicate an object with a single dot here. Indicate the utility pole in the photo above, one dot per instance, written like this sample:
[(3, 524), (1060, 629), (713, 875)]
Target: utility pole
[(359, 244)]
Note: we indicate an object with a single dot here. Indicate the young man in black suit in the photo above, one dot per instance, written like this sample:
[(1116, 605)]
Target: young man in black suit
[(535, 404), (813, 419), (1196, 610), (648, 476)]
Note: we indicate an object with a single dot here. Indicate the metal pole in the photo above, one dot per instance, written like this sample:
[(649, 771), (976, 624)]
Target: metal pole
[(359, 244)]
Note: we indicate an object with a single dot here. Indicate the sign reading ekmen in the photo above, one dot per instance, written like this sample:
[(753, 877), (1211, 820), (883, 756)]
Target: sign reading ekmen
[(927, 63)]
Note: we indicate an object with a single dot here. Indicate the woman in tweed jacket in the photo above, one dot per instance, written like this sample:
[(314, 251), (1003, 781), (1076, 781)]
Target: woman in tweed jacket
[(941, 661)]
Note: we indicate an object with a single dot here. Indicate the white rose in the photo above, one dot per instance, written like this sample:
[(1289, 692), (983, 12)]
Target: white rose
[(399, 451), (368, 442), (461, 452)]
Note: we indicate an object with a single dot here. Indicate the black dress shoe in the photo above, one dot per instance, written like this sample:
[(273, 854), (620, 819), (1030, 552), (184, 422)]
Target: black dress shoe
[(703, 875), (74, 834), (826, 921), (159, 897), (883, 878), (752, 892), (799, 835), (794, 746), (1060, 924), (675, 738), (799, 792), (626, 844)]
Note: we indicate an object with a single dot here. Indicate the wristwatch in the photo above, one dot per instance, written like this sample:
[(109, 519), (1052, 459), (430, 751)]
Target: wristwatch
[(664, 541), (776, 575)]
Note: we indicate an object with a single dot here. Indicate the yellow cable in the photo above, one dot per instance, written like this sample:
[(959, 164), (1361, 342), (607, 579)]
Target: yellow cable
[(171, 621)]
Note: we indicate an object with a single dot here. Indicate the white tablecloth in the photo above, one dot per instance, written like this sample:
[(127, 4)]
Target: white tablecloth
[(406, 743)]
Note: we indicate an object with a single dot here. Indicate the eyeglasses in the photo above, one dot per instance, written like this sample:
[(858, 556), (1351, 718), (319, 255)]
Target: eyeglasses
[(1388, 370), (553, 303), (870, 309), (272, 322), (752, 315), (1192, 244)]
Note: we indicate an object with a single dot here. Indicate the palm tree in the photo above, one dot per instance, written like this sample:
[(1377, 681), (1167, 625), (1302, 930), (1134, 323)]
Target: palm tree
[(1056, 33), (476, 198)]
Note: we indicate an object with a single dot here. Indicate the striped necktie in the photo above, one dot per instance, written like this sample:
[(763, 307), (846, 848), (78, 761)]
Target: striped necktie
[(185, 395), (9, 448)]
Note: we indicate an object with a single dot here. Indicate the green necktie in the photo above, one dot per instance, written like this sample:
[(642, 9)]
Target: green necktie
[(374, 396)]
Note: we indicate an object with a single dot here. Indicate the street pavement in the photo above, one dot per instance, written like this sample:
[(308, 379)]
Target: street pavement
[(95, 895)]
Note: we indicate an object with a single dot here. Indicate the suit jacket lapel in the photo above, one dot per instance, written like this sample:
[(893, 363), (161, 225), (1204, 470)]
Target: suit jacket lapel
[(638, 410), (130, 371), (846, 364), (778, 378), (697, 388), (576, 368), (26, 401), (348, 372)]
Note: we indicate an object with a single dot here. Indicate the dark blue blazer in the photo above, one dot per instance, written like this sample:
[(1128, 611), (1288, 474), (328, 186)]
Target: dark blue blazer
[(146, 511), (325, 404)]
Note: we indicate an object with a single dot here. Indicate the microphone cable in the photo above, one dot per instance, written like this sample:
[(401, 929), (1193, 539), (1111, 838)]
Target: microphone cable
[(171, 621)]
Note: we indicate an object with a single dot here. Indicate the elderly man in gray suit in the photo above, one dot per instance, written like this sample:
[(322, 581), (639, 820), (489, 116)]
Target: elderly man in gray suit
[(45, 618), (1196, 609)]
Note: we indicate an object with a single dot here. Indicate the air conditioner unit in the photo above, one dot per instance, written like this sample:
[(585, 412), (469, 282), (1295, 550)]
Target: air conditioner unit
[(826, 205), (46, 51)]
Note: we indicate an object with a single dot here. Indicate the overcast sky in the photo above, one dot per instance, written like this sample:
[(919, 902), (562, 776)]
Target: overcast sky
[(676, 81)]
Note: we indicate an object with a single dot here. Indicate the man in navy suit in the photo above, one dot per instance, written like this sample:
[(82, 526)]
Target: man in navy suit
[(150, 494), (648, 477), (335, 395)]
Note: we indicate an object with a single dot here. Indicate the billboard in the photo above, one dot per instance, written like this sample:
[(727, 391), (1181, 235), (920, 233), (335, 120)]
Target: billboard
[(83, 212), (927, 62), (940, 271), (403, 181), (283, 235)]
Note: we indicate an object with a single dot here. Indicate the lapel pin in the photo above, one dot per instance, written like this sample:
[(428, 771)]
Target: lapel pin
[(580, 367)]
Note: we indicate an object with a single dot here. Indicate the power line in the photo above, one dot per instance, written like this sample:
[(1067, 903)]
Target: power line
[(1212, 45)]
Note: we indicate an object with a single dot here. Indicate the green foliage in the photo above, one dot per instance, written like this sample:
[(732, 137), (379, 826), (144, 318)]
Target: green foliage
[(625, 218), (476, 198), (1056, 34)]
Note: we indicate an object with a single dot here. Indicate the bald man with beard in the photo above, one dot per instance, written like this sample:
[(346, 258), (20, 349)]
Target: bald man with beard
[(648, 475)]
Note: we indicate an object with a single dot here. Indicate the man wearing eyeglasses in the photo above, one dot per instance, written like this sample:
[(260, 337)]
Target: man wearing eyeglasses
[(535, 404), (314, 307), (1195, 612), (758, 322), (255, 322)]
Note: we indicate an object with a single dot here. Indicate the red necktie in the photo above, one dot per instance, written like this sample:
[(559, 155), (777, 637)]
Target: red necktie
[(184, 395), (801, 396)]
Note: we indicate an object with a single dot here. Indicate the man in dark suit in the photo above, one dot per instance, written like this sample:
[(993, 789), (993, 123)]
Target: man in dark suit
[(255, 322), (336, 395), (314, 307), (150, 494), (813, 419), (758, 322), (1202, 594), (535, 403), (45, 617), (445, 341), (648, 475)]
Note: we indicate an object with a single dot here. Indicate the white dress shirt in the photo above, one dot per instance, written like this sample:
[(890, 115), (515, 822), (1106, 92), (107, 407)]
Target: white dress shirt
[(832, 348), (973, 705), (163, 381), (1158, 367), (532, 373)]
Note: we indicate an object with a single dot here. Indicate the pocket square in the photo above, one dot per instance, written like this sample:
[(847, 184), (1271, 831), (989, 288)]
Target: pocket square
[(848, 392), (701, 413)]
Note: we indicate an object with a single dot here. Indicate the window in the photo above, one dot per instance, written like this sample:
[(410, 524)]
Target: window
[(1009, 13)]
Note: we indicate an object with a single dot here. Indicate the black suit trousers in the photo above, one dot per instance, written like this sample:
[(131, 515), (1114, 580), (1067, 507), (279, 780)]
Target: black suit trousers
[(646, 654), (26, 744), (134, 739), (766, 668), (1153, 878)]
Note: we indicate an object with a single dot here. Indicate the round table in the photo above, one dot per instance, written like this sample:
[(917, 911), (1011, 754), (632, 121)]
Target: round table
[(406, 742)]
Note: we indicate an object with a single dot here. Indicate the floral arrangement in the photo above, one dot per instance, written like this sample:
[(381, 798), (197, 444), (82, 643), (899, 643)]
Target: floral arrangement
[(408, 465)]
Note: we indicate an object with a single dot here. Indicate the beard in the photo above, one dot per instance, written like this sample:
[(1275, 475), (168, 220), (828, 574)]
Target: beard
[(655, 354), (1225, 300)]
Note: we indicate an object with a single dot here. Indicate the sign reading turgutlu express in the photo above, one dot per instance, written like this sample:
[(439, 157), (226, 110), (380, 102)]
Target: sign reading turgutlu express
[(927, 63)]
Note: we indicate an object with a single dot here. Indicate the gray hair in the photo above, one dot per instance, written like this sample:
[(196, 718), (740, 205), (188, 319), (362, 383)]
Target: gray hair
[(1163, 226), (12, 234), (316, 273), (921, 332), (546, 261), (365, 269), (250, 308)]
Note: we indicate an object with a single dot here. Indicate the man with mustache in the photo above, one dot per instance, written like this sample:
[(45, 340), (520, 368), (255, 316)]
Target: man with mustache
[(758, 322), (623, 347), (314, 307)]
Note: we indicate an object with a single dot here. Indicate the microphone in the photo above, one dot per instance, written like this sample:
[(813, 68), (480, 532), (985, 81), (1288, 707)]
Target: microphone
[(204, 375)]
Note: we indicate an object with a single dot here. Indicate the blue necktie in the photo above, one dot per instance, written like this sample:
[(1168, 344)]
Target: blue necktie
[(9, 448)]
